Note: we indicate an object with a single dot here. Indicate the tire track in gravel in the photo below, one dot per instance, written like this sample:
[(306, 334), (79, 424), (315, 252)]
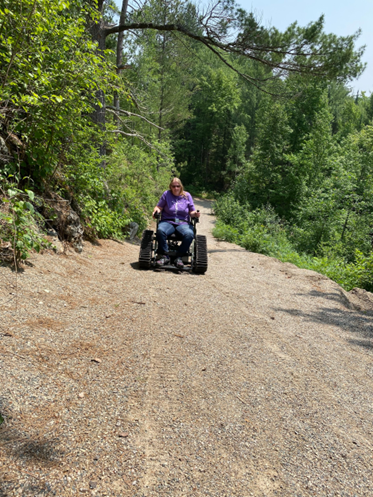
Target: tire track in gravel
[(161, 406), (187, 436)]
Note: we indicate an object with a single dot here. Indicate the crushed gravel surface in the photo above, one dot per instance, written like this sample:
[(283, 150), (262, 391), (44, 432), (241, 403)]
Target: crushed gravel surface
[(253, 379)]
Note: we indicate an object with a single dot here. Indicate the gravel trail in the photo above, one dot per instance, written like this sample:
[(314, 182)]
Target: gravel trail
[(253, 379)]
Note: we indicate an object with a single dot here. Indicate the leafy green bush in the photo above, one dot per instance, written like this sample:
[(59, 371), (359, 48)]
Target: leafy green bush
[(360, 273), (261, 231), (138, 178), (126, 190), (22, 221), (50, 72)]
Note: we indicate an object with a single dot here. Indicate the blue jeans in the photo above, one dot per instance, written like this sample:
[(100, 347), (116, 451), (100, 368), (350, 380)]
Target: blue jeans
[(166, 229)]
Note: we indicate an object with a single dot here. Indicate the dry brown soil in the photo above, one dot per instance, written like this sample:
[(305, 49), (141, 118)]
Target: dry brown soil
[(254, 379)]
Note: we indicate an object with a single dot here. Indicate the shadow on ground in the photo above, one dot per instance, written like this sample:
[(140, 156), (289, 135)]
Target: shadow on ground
[(349, 319), (27, 449)]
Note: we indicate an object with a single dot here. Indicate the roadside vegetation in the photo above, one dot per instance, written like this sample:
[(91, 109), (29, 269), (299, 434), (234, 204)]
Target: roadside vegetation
[(305, 195)]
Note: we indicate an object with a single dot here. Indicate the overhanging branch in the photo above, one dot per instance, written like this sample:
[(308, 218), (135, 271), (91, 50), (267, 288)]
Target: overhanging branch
[(113, 110), (288, 53)]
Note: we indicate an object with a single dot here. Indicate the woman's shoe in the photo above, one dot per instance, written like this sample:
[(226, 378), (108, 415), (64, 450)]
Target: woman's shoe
[(163, 260), (179, 262)]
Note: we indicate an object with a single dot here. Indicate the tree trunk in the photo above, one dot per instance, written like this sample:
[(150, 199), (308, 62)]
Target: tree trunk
[(97, 31), (345, 225), (119, 60), (161, 103)]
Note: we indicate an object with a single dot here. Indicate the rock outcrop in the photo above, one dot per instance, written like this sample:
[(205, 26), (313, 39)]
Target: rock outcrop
[(60, 216)]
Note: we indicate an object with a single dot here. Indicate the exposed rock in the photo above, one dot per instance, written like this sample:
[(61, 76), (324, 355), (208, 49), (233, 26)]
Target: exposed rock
[(361, 299), (133, 230), (6, 252), (74, 230), (4, 152), (52, 237), (15, 142), (63, 219), (10, 146)]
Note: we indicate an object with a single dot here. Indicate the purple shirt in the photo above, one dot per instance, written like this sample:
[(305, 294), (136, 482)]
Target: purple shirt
[(176, 209)]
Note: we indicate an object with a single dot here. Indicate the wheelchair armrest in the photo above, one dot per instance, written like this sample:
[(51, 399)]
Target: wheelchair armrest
[(195, 220)]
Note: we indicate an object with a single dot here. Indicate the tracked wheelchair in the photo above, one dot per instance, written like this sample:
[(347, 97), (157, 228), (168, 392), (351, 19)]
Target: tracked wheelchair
[(195, 260)]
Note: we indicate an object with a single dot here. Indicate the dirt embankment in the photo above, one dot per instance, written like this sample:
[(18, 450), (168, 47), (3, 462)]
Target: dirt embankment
[(254, 379)]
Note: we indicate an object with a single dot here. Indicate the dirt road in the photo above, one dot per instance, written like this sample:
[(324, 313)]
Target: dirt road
[(253, 379)]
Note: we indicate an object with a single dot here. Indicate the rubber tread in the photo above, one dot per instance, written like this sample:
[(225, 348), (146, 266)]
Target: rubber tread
[(200, 255), (145, 256)]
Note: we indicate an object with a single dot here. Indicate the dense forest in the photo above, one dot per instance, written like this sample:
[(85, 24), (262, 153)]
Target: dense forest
[(99, 107)]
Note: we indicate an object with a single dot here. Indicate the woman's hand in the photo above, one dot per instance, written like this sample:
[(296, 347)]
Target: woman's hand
[(156, 209), (194, 214)]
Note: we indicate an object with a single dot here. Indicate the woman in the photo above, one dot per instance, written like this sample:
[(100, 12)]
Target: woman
[(177, 207)]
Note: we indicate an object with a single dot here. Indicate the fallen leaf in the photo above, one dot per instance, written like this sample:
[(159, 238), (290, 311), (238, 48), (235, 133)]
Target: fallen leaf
[(96, 360), (180, 336)]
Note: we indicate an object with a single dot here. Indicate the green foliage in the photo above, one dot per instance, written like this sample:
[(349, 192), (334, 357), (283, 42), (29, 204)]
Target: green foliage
[(259, 230), (327, 226), (164, 69), (206, 140), (50, 73), (236, 156), (125, 190), (269, 176), (275, 243), (20, 220), (141, 176)]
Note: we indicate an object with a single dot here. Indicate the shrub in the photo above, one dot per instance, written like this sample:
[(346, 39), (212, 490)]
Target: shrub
[(262, 231), (21, 224)]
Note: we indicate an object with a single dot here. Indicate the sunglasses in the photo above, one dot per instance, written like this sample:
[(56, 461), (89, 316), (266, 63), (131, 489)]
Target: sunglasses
[(175, 186)]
